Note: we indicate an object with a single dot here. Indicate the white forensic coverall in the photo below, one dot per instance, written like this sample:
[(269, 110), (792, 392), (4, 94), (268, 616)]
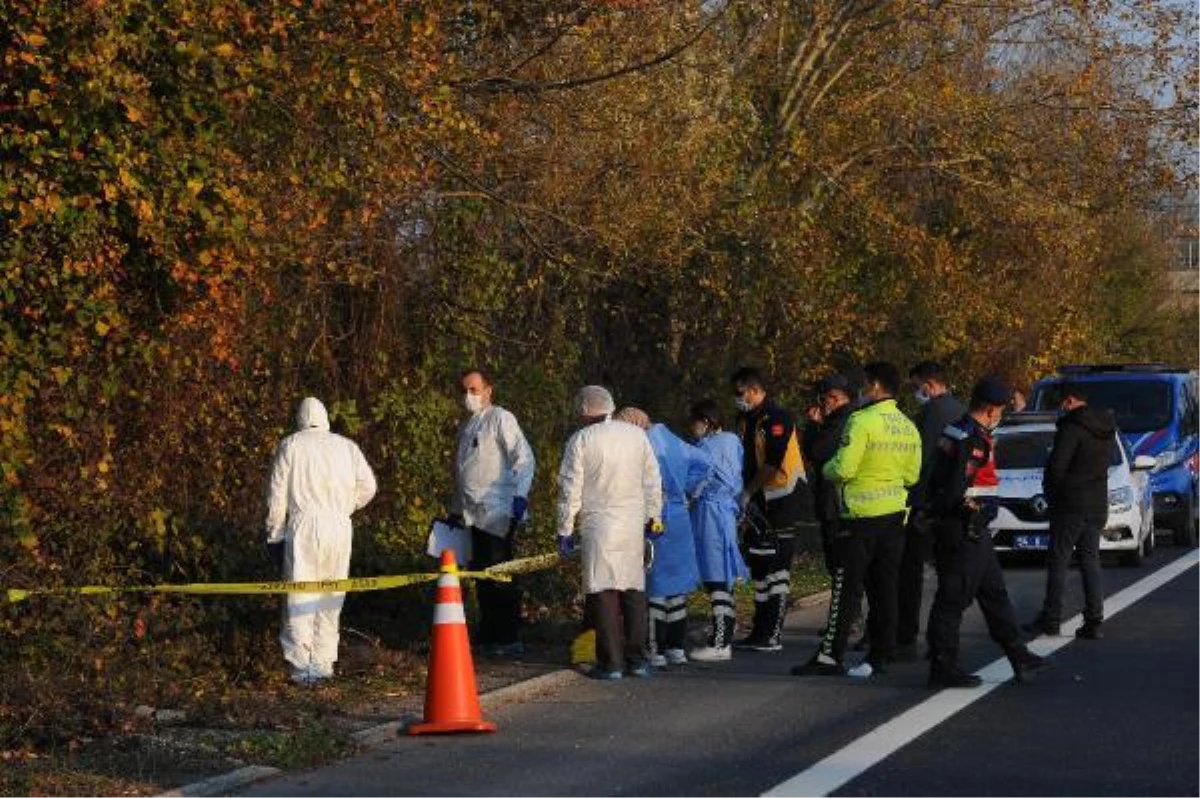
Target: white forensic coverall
[(318, 479), (609, 479), (493, 464)]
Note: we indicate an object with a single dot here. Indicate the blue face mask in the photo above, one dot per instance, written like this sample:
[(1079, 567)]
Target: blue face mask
[(921, 395)]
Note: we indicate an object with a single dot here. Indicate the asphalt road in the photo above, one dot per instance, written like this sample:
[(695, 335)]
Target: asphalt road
[(1117, 716)]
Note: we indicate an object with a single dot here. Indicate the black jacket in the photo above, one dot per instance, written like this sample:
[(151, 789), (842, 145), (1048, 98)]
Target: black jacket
[(1076, 478), (931, 420), (821, 443), (962, 459)]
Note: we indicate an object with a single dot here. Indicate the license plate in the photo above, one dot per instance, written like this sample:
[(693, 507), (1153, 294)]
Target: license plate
[(1026, 542)]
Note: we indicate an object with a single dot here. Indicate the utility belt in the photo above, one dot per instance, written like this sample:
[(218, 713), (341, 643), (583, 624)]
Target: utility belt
[(755, 533)]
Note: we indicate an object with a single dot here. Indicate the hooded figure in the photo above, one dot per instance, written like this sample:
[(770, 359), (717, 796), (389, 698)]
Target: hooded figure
[(1076, 486), (1076, 477), (317, 480)]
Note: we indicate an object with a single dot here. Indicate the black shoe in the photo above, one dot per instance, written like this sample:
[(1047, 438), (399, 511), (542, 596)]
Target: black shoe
[(947, 675), (748, 642), (1090, 631), (1026, 665), (814, 667), (1040, 626)]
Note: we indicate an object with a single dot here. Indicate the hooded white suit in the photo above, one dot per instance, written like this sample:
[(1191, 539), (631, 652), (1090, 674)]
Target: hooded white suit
[(317, 480)]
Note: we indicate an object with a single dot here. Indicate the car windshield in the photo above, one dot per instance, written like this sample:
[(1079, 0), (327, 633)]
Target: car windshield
[(1139, 405), (1032, 450)]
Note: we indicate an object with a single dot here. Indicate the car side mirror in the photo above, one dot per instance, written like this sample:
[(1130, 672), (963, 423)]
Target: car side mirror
[(1144, 462)]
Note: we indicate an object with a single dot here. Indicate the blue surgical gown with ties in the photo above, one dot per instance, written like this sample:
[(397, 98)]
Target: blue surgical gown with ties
[(683, 468), (715, 512)]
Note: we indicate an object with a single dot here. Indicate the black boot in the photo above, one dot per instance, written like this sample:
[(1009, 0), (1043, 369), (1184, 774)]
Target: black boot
[(945, 673), (1025, 664)]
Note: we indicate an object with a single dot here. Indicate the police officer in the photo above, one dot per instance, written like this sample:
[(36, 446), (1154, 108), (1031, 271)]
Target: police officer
[(960, 484), (878, 461), (774, 480)]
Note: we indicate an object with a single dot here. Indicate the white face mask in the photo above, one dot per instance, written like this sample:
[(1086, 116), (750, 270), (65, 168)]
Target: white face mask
[(473, 402), (742, 405)]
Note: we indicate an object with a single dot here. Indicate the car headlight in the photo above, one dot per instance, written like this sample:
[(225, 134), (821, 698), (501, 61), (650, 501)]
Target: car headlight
[(1120, 500), (1168, 458)]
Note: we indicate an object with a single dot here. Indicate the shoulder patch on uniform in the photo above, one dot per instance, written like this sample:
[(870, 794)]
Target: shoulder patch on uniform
[(954, 432)]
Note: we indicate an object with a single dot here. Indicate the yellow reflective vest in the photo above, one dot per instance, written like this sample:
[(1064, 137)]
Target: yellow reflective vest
[(878, 461)]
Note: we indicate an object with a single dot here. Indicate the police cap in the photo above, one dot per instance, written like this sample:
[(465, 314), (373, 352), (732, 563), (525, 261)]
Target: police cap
[(991, 390)]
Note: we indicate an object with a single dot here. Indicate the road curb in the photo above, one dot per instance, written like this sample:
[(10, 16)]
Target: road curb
[(219, 785), (375, 736), (527, 688)]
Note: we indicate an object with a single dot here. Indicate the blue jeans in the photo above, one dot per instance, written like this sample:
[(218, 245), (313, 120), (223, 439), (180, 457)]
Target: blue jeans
[(1068, 533)]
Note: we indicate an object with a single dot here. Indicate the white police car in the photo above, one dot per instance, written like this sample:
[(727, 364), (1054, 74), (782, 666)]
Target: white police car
[(1023, 442)]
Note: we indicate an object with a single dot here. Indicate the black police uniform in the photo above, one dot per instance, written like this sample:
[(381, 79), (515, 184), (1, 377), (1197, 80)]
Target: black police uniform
[(820, 444), (767, 432), (967, 567)]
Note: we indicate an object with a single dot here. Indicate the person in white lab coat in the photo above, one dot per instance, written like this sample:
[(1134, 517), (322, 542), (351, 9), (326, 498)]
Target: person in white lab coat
[(493, 469), (609, 481), (317, 480)]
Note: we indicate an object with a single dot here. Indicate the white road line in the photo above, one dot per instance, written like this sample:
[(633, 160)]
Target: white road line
[(840, 767)]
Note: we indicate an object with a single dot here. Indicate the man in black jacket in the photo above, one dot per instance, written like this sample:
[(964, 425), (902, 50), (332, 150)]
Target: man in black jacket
[(1076, 487), (939, 408), (962, 479), (820, 442)]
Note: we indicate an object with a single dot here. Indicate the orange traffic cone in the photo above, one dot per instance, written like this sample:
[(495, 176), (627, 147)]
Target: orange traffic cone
[(451, 700)]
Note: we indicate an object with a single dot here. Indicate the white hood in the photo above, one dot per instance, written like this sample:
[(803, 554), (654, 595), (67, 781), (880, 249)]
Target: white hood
[(312, 414)]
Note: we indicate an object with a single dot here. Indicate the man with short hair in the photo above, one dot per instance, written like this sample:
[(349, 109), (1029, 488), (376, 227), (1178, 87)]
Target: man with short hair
[(774, 481), (1075, 484), (878, 461), (610, 482), (938, 408), (493, 469), (961, 481), (820, 443)]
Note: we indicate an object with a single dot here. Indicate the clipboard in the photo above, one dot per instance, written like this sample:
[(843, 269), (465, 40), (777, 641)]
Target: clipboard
[(444, 535)]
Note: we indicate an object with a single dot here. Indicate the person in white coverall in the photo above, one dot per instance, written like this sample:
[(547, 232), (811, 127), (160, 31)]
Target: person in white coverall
[(493, 469), (317, 480), (609, 481)]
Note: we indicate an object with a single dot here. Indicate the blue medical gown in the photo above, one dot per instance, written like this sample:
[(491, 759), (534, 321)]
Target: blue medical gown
[(683, 468), (714, 514)]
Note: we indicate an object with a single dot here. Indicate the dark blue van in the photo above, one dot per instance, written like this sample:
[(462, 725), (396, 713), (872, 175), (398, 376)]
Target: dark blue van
[(1156, 410)]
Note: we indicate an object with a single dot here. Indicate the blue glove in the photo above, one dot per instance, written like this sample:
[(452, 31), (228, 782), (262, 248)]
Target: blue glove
[(519, 508), (566, 545)]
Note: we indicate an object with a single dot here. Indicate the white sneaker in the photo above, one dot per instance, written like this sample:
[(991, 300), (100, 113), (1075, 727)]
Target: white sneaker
[(861, 671), (712, 654), (676, 656), (657, 660)]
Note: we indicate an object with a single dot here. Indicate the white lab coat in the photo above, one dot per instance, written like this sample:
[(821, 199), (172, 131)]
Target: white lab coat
[(493, 464), (317, 480), (609, 478)]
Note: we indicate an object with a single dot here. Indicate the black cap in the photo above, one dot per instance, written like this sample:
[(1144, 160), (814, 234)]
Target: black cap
[(991, 390), (834, 382)]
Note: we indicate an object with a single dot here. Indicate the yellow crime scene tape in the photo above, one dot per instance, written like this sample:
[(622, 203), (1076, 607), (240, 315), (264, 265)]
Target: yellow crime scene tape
[(503, 572)]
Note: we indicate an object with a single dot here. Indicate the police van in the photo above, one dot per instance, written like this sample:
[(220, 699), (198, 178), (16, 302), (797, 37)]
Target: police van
[(1156, 411)]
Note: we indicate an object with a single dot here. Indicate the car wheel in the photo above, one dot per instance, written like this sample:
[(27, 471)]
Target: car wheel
[(1136, 557), (1185, 534)]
